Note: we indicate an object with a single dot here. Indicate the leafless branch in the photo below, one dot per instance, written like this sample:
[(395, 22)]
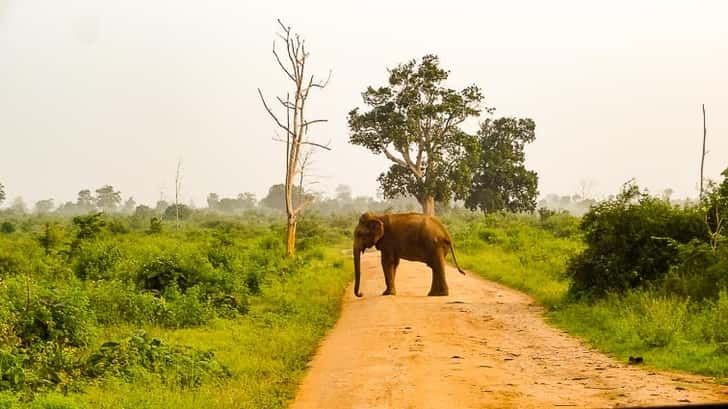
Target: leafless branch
[(280, 63), (323, 84), (286, 104), (318, 145), (270, 112), (315, 121)]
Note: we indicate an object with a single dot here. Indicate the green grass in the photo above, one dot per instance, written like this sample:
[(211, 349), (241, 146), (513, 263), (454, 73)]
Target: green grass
[(667, 331), (518, 253), (266, 350), (70, 309)]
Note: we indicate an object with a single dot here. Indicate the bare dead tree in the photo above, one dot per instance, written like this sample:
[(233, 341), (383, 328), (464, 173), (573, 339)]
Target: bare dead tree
[(295, 126), (177, 188), (702, 157)]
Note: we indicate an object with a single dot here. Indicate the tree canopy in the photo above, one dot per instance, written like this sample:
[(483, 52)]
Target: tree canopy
[(415, 121), (107, 198), (276, 197), (501, 180)]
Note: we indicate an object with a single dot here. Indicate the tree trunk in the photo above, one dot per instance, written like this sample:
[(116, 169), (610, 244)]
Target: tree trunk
[(428, 205), (291, 239)]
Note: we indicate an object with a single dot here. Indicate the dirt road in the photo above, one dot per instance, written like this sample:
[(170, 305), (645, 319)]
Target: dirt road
[(484, 346)]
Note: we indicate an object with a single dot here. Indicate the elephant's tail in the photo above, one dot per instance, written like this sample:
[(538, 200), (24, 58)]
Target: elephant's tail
[(452, 249)]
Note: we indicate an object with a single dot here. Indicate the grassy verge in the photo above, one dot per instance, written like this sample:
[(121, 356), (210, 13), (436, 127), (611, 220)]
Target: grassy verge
[(98, 313), (266, 350), (668, 331)]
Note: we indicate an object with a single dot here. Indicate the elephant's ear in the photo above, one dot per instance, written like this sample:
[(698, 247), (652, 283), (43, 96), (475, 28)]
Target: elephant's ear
[(376, 226)]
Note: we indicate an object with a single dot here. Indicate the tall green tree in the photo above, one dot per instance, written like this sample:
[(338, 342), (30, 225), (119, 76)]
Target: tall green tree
[(501, 180), (2, 193), (107, 198), (86, 203), (415, 121)]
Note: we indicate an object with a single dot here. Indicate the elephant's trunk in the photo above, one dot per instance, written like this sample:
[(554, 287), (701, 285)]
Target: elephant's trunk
[(357, 270)]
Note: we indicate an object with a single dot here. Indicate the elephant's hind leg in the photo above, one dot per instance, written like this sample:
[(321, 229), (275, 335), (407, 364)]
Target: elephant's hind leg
[(389, 264), (439, 283)]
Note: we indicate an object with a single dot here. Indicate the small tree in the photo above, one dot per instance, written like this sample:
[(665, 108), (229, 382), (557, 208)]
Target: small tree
[(178, 212), (18, 206), (415, 122), (714, 203), (501, 180), (85, 203), (107, 198), (213, 201), (2, 193), (44, 206), (275, 199), (295, 126), (129, 205)]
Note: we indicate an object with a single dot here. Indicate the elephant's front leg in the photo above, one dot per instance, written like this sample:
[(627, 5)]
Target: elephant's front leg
[(389, 264)]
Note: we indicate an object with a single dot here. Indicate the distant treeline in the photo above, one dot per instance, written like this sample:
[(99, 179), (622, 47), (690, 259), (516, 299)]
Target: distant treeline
[(107, 199)]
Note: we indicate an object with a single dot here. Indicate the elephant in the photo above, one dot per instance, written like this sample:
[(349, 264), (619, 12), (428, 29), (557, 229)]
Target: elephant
[(410, 236)]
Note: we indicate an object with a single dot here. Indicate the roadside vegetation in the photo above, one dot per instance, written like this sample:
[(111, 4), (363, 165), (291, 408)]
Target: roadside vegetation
[(116, 311), (636, 276)]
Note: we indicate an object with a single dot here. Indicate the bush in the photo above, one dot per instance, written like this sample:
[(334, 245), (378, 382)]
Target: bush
[(189, 309), (631, 241), (12, 374), (561, 224), (7, 227), (178, 366), (183, 270), (170, 213), (40, 314), (89, 226), (659, 319), (719, 318), (155, 226), (96, 260), (17, 257), (116, 302), (700, 272)]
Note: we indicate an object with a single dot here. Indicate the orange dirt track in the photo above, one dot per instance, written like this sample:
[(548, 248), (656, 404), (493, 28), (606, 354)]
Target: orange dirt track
[(484, 346)]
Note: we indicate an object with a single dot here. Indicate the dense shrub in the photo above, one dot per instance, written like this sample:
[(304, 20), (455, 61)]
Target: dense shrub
[(89, 226), (699, 273), (560, 224), (7, 227), (182, 269), (719, 319), (631, 240), (96, 260), (63, 281), (41, 313), (171, 212), (173, 365), (115, 302)]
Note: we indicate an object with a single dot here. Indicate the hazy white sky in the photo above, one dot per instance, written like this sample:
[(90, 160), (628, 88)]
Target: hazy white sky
[(97, 92)]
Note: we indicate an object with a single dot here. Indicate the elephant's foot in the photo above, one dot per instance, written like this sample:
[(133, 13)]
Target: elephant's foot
[(390, 291), (437, 293)]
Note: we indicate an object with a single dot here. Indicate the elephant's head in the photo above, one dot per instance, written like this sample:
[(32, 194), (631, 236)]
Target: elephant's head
[(367, 233)]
